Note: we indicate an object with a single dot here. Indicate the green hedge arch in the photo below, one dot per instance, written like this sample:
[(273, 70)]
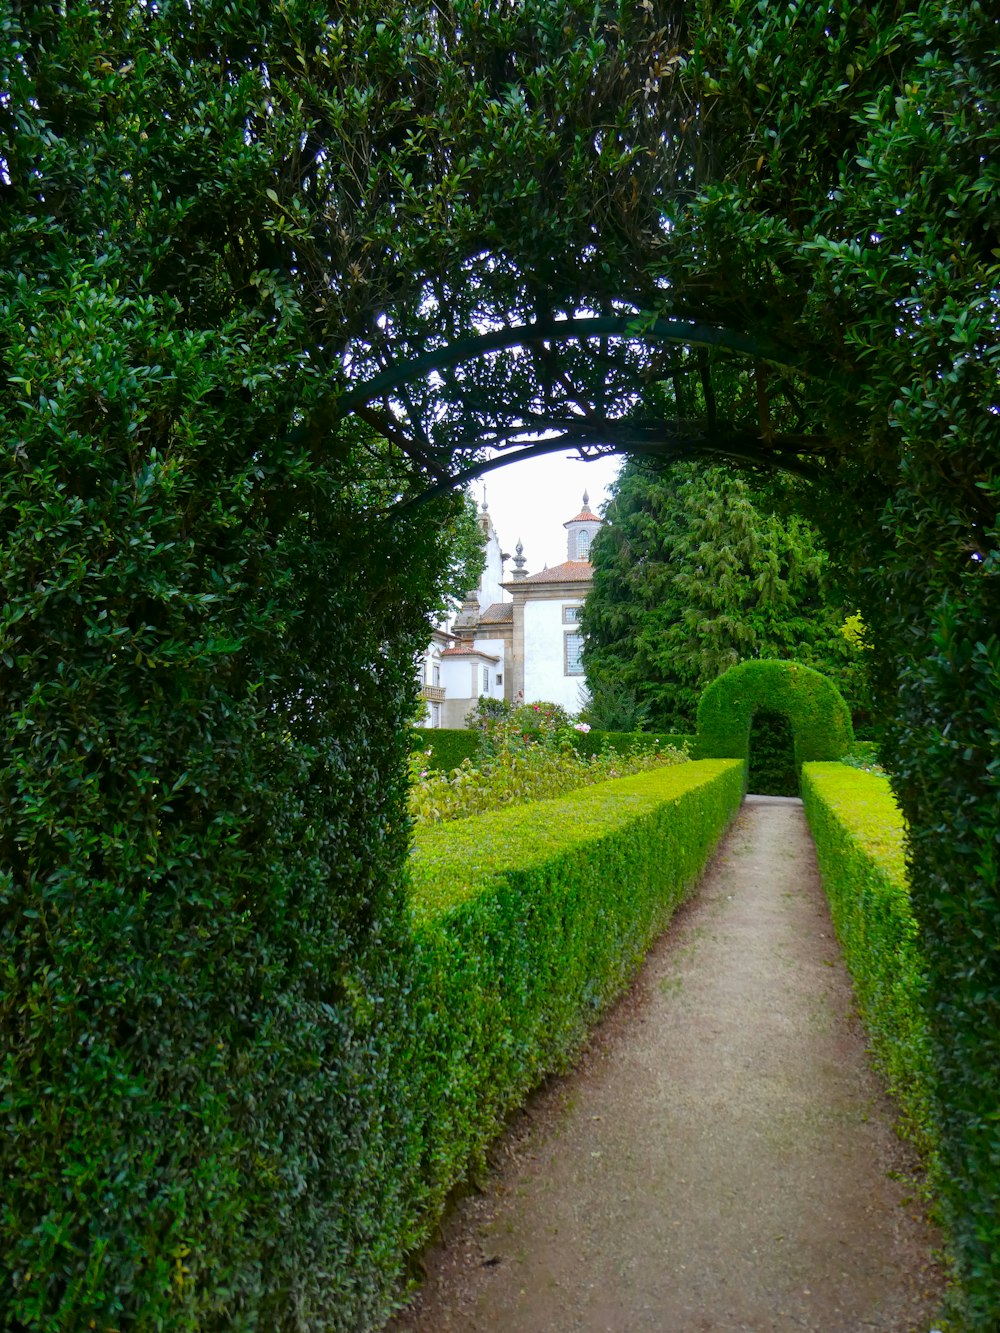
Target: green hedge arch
[(819, 718)]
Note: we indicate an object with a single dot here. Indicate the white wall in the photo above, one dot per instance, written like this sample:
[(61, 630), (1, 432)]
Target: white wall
[(490, 590), (458, 677), (462, 678), (496, 648), (544, 662)]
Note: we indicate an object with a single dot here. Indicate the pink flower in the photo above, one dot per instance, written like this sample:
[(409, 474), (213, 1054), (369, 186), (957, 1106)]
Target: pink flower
[(581, 726)]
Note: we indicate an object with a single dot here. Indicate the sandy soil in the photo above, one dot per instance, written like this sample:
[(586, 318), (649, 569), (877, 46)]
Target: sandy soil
[(722, 1158)]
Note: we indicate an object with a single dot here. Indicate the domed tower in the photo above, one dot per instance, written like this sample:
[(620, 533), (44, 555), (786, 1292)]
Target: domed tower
[(581, 531)]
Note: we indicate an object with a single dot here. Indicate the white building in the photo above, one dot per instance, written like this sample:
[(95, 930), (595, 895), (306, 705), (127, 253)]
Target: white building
[(518, 638)]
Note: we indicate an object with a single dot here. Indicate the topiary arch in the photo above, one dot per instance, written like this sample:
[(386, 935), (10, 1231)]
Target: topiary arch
[(818, 716)]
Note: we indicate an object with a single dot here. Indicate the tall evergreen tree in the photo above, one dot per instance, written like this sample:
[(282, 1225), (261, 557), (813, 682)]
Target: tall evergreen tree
[(696, 572)]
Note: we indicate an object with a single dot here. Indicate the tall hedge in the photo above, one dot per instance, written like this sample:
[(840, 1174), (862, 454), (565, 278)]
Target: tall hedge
[(203, 824), (206, 645), (819, 718)]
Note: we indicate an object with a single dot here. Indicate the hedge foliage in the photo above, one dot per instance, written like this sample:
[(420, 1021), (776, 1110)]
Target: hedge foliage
[(448, 746), (698, 568), (207, 633), (860, 844), (629, 742), (527, 923), (772, 770), (855, 220), (820, 720)]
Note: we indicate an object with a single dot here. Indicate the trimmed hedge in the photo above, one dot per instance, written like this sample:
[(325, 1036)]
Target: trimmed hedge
[(772, 770), (448, 745), (859, 835), (628, 742), (527, 923), (820, 720)]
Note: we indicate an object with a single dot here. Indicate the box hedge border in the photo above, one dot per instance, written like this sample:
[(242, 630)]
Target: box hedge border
[(527, 923), (860, 845), (448, 746)]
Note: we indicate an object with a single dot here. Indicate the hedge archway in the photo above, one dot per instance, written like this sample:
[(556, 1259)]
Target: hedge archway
[(819, 717)]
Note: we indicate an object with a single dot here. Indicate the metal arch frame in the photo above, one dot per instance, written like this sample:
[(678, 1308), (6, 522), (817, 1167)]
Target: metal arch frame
[(640, 327), (654, 440)]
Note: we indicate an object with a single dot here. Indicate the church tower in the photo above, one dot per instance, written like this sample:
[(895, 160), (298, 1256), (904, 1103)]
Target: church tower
[(581, 531)]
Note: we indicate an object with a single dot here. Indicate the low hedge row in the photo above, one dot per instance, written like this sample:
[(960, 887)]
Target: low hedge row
[(449, 746), (628, 742), (527, 922), (859, 836)]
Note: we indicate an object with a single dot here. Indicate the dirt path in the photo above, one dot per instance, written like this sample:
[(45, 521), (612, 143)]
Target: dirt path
[(722, 1158)]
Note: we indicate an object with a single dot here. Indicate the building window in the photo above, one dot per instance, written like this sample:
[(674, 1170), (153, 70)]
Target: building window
[(582, 544), (437, 674), (571, 615), (573, 654), (499, 678), (486, 680)]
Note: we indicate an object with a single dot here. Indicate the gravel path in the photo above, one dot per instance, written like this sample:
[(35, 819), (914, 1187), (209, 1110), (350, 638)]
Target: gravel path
[(722, 1157)]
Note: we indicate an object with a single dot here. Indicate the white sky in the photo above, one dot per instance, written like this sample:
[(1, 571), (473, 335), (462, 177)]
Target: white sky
[(531, 501)]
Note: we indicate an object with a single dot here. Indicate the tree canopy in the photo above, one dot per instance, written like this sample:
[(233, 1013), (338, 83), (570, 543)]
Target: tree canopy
[(695, 573)]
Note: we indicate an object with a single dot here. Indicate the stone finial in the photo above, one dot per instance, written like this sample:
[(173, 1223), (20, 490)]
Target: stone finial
[(519, 561), (586, 500)]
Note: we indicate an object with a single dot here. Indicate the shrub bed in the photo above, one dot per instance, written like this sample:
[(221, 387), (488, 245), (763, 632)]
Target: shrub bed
[(527, 922), (514, 765), (449, 746), (859, 835)]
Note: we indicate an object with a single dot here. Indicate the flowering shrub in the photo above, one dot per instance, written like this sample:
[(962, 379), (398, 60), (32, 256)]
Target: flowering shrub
[(524, 756)]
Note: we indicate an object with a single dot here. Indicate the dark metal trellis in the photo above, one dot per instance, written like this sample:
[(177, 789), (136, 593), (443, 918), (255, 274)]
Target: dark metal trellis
[(656, 440)]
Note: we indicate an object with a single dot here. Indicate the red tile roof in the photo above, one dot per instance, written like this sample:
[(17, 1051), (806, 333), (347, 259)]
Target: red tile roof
[(571, 571), (584, 516), (469, 651), (500, 613)]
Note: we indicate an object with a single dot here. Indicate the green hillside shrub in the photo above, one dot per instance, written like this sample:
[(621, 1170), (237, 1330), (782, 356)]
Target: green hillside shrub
[(819, 718), (859, 836), (527, 923)]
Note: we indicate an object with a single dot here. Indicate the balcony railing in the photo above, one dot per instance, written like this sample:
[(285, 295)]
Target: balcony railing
[(434, 694)]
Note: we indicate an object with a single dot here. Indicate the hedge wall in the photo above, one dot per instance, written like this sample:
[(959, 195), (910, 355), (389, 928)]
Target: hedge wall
[(527, 923), (628, 742), (448, 745), (820, 720), (859, 836)]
